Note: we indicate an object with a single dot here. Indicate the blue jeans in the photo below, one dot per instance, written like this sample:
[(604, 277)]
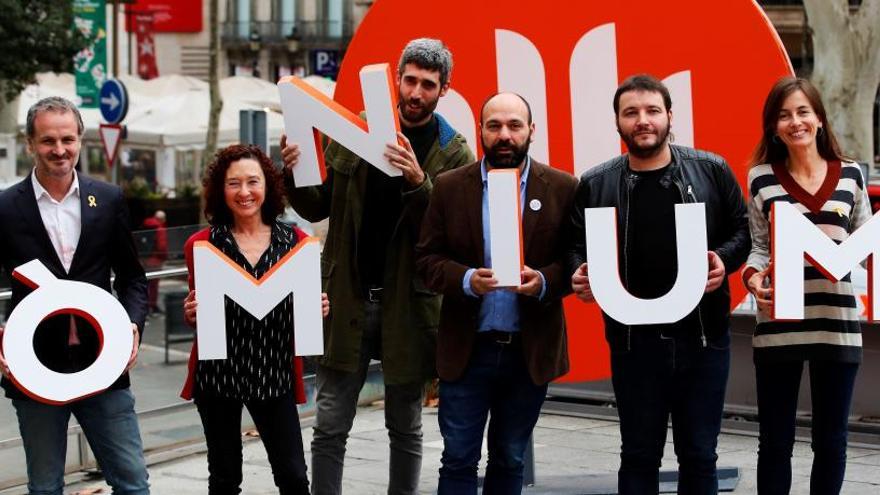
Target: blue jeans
[(110, 425), (658, 373), (497, 383), (831, 387)]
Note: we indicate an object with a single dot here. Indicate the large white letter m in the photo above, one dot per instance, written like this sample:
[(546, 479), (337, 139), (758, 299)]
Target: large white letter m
[(795, 238), (298, 272)]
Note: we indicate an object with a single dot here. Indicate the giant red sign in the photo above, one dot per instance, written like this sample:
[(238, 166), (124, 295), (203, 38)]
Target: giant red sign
[(567, 57)]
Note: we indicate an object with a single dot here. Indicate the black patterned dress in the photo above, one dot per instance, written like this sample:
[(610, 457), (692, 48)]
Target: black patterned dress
[(259, 352)]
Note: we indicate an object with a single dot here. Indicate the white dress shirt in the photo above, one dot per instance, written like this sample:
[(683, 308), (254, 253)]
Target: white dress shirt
[(62, 219)]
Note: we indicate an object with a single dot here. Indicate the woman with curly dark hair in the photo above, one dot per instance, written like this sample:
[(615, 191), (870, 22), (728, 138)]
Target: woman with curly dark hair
[(243, 197)]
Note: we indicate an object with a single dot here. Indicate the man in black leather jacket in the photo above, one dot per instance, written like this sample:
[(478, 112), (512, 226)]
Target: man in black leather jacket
[(678, 369)]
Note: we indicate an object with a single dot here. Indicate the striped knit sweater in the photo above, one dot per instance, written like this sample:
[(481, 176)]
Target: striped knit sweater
[(830, 329)]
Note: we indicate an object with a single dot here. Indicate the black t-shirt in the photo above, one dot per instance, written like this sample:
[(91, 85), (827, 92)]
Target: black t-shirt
[(651, 251), (383, 205), (651, 244)]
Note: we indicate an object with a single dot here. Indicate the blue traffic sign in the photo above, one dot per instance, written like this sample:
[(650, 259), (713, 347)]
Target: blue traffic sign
[(325, 63), (113, 101)]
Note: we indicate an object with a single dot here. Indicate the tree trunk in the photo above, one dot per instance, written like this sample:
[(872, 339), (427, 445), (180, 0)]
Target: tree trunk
[(214, 86), (8, 133), (846, 55), (8, 113)]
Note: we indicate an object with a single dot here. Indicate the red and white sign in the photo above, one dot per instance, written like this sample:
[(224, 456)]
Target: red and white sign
[(146, 47), (171, 16), (567, 59), (111, 137)]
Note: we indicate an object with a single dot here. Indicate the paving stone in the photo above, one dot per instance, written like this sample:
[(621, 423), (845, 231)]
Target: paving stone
[(569, 454)]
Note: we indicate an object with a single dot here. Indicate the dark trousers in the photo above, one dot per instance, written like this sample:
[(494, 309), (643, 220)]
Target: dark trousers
[(496, 383), (336, 404), (655, 376), (831, 387), (277, 421)]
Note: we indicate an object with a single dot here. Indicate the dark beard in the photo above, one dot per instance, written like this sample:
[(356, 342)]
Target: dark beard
[(426, 109), (645, 151), (510, 161)]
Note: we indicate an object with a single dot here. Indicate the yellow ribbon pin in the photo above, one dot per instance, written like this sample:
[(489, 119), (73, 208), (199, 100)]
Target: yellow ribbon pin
[(839, 211), (92, 202)]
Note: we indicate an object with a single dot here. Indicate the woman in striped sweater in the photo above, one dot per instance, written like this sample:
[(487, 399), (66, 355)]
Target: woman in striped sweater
[(798, 161)]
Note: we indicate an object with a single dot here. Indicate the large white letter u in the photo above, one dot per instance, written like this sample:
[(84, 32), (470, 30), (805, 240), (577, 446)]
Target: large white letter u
[(602, 268)]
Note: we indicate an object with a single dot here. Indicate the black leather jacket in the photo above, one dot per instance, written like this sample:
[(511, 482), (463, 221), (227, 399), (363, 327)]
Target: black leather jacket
[(701, 177)]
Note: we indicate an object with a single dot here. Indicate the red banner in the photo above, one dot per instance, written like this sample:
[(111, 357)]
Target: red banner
[(146, 47), (171, 16)]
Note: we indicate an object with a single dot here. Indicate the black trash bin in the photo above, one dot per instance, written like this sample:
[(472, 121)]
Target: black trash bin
[(176, 329)]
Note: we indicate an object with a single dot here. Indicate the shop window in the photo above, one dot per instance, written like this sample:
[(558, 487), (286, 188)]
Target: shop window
[(188, 173), (137, 172)]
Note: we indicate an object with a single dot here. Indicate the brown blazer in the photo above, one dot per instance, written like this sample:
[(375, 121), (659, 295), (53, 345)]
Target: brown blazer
[(451, 242)]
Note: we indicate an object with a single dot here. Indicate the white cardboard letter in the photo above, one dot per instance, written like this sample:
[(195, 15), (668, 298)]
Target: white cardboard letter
[(299, 272), (795, 238), (52, 297), (690, 283), (307, 111), (505, 227)]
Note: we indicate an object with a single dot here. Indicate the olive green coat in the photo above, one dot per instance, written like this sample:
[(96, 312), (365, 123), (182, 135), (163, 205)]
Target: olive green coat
[(410, 312)]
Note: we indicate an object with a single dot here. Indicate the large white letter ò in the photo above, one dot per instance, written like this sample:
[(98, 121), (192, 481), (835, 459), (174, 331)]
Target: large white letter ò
[(52, 297), (795, 238), (602, 267), (299, 272), (307, 111)]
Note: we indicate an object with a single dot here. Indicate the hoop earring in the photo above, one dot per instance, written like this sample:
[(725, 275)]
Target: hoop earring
[(775, 139), (671, 137), (820, 131)]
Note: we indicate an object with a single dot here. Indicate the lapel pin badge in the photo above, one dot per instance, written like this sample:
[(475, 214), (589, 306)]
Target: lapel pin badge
[(535, 204), (92, 201)]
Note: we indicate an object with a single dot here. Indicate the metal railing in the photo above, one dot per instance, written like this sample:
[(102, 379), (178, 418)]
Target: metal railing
[(5, 295), (283, 31), (83, 459)]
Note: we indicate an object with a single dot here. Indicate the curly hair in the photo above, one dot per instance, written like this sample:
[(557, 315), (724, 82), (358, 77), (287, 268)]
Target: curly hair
[(213, 184)]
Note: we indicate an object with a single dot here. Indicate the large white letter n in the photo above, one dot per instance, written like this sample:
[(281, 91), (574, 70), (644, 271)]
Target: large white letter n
[(612, 296), (299, 272), (307, 111)]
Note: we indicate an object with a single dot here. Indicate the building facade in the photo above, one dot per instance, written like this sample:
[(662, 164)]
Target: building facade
[(263, 38)]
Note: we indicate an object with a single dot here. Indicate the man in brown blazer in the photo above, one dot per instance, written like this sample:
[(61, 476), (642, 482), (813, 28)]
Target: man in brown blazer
[(497, 348)]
